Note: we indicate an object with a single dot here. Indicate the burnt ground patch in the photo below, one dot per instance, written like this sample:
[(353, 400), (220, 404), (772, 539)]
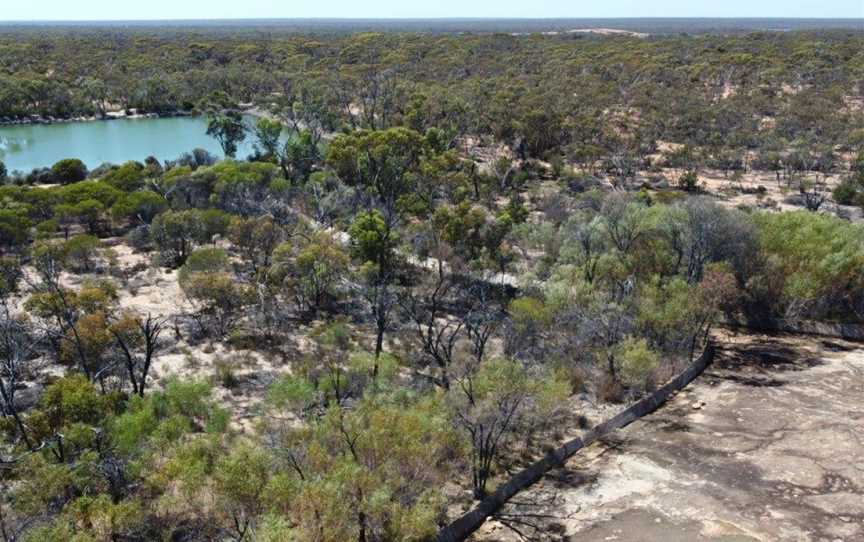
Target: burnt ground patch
[(771, 355)]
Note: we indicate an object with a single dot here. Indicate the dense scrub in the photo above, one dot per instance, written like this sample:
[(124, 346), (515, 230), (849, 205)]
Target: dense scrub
[(545, 93), (624, 285), (452, 311)]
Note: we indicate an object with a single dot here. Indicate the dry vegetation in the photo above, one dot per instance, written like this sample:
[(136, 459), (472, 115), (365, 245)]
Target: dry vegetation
[(359, 332)]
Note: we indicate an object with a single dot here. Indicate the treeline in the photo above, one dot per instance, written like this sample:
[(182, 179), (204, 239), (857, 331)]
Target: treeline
[(571, 95)]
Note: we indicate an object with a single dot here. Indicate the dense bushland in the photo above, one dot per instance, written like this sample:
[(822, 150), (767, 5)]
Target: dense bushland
[(573, 95), (455, 311)]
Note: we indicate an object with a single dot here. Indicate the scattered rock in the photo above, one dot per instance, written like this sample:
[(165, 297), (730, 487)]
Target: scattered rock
[(490, 526)]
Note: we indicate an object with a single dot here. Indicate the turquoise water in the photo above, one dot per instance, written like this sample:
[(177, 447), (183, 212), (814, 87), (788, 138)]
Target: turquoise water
[(27, 147)]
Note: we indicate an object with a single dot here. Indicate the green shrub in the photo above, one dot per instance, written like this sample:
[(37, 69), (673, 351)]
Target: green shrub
[(68, 171), (689, 181), (80, 251), (637, 361), (817, 260), (849, 192), (142, 206), (128, 177), (225, 375), (204, 260)]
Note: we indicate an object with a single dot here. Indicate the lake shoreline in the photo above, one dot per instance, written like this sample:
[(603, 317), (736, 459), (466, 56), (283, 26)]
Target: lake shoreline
[(29, 146), (109, 116), (121, 114)]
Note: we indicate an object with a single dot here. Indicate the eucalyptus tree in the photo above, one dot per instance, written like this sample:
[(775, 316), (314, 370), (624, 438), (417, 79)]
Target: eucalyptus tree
[(225, 122)]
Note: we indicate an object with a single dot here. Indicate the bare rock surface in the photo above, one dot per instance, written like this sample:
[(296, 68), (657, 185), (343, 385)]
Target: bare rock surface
[(774, 453)]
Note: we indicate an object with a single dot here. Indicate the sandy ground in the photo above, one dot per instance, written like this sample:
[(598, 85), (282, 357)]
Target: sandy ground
[(768, 445), (775, 195), (149, 289), (608, 32)]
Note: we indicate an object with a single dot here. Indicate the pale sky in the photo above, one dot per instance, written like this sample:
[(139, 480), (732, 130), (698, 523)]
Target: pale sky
[(13, 10)]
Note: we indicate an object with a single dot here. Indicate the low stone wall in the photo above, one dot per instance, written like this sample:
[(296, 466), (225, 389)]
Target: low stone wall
[(471, 521)]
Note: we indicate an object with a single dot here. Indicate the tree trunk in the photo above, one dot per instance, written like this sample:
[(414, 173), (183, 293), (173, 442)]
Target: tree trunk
[(379, 347)]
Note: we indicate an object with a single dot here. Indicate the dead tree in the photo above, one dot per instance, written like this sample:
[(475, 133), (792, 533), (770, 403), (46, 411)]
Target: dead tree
[(138, 344), (18, 356), (424, 306)]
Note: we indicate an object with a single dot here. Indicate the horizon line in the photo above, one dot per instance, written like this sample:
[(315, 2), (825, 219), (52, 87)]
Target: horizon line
[(455, 18)]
